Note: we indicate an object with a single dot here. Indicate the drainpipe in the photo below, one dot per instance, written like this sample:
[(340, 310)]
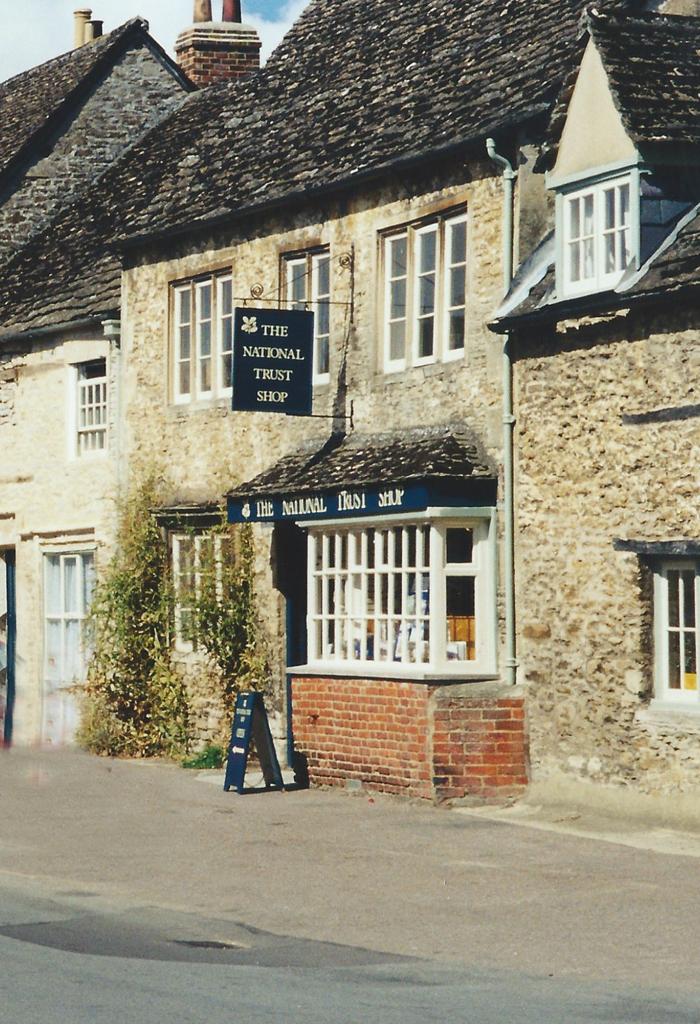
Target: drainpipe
[(508, 419), (112, 330)]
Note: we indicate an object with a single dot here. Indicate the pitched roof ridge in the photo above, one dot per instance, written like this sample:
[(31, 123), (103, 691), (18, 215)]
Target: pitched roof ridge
[(103, 42)]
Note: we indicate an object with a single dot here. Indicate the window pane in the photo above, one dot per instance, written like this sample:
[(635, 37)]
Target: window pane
[(457, 331), (609, 207), (427, 295), (688, 579), (459, 545), (690, 678), (575, 218), (673, 604), (398, 300), (398, 248), (226, 297), (52, 577), (588, 225), (574, 262), (674, 661), (205, 302), (70, 584), (461, 620), (397, 341), (458, 248), (426, 335), (428, 249)]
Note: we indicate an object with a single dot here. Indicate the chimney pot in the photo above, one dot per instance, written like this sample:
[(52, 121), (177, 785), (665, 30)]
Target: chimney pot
[(202, 10), (82, 18), (93, 30), (232, 11)]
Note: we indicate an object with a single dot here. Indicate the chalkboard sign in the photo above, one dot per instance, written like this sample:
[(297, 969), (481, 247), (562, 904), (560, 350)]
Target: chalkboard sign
[(250, 722)]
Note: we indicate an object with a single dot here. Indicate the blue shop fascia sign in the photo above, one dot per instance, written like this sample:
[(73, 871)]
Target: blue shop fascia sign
[(273, 360), (336, 505)]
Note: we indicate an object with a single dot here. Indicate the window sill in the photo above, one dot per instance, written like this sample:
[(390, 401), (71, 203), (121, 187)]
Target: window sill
[(393, 672), (672, 713)]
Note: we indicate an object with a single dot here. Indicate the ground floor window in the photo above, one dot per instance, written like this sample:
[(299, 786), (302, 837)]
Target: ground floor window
[(196, 558), (419, 595), (677, 638), (68, 584)]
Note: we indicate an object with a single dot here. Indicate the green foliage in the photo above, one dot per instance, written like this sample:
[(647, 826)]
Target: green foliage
[(211, 757), (224, 621), (136, 703)]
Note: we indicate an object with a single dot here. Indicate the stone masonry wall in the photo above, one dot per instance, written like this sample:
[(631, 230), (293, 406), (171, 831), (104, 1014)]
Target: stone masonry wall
[(590, 471), (203, 448), (50, 500)]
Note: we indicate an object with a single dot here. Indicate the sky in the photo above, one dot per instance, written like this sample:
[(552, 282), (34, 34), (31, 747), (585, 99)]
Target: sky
[(38, 30)]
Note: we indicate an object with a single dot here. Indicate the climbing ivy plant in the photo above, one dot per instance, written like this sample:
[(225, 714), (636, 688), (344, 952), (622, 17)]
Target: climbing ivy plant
[(224, 620), (136, 703)]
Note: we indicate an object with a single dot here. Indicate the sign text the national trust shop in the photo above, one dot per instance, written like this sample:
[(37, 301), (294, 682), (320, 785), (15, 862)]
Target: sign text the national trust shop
[(273, 360)]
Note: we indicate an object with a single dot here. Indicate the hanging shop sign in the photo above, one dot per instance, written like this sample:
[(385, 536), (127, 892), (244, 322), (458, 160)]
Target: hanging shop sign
[(273, 360)]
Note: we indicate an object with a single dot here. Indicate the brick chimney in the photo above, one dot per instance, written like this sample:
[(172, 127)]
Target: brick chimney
[(218, 51)]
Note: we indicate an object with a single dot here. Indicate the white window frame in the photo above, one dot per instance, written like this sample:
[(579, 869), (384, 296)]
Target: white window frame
[(90, 419), (308, 269), (197, 542), (676, 687), (594, 193), (418, 280), (352, 597), (62, 616), (201, 343)]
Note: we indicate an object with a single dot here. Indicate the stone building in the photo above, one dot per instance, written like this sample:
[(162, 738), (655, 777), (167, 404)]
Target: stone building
[(603, 322), (62, 125), (384, 171), (351, 177)]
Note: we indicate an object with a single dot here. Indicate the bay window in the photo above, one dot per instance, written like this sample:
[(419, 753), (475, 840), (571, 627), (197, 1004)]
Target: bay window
[(408, 596)]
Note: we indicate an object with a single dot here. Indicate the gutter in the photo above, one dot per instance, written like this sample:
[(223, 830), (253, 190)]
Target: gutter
[(65, 325), (508, 420)]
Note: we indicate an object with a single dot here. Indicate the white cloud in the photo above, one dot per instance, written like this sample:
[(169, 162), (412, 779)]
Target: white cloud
[(44, 28)]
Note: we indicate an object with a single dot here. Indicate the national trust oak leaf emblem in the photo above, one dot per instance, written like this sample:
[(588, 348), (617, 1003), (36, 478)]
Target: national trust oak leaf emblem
[(250, 325)]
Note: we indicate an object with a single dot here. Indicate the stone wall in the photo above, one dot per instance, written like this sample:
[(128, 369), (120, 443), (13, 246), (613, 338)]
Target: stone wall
[(592, 469), (204, 449), (50, 499)]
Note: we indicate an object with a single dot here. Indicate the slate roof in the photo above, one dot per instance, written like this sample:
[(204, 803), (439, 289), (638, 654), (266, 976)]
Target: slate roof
[(32, 103), (353, 88), (438, 457), (653, 66), (673, 268), (654, 73)]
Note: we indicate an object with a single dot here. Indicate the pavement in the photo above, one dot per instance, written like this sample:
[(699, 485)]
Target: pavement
[(550, 887)]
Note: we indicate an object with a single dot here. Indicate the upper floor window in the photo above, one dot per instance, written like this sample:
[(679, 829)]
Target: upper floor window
[(307, 283), (425, 292), (203, 339), (597, 226), (92, 407), (677, 631)]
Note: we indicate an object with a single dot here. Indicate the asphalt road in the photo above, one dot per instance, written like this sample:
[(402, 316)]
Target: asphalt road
[(140, 892)]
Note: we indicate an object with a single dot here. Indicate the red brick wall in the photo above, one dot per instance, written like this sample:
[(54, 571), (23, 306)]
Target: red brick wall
[(207, 66), (410, 738), (479, 748)]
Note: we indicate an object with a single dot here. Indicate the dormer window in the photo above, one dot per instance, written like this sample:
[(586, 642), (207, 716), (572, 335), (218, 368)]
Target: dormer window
[(598, 231)]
